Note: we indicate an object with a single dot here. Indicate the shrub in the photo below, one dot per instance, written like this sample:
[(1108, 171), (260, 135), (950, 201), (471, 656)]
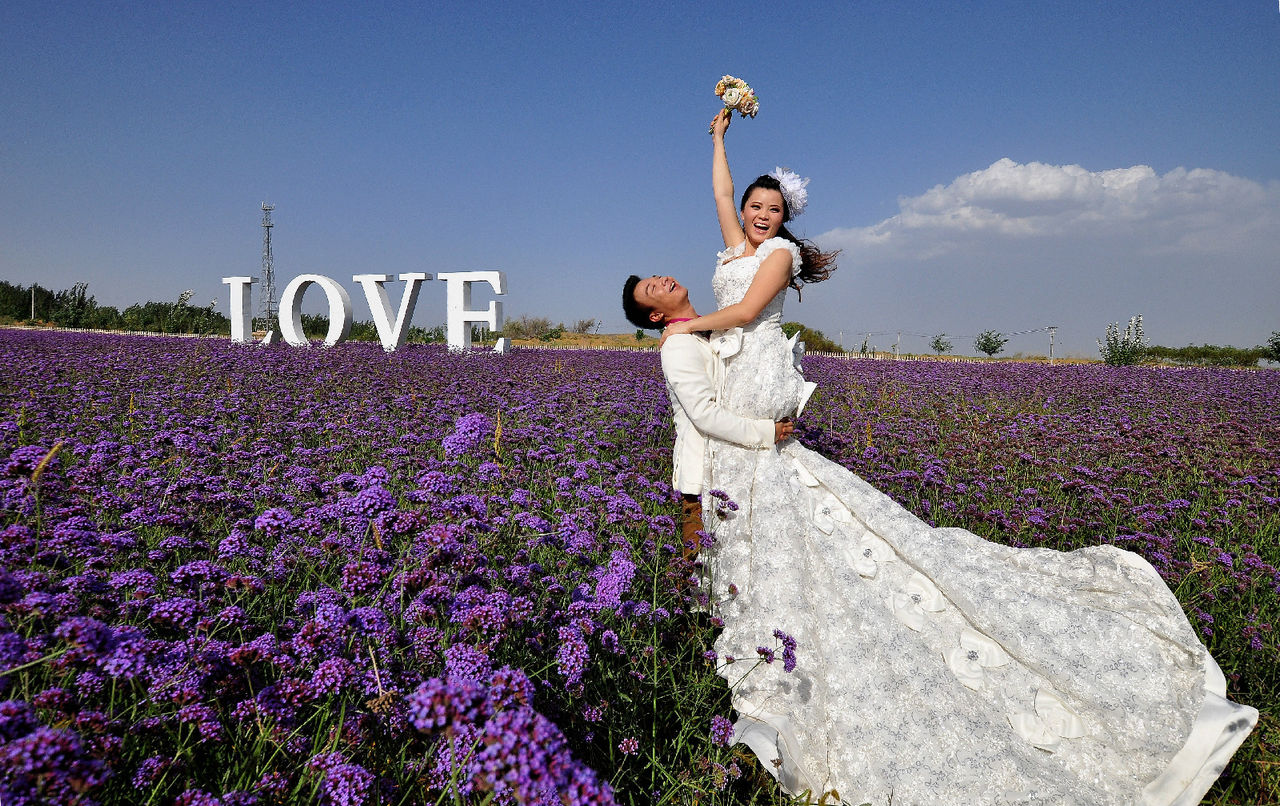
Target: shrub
[(1208, 355), (527, 327), (585, 326), (1124, 350)]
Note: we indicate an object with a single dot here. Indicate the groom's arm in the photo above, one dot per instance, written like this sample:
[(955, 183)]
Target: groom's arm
[(685, 369)]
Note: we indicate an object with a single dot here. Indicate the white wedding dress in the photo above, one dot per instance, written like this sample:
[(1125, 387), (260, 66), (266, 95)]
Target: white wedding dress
[(935, 667)]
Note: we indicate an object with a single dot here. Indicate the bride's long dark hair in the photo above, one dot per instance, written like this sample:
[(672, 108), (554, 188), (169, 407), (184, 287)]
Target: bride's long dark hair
[(815, 265)]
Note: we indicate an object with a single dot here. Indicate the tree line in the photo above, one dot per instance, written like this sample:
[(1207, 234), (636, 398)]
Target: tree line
[(76, 307), (1132, 347)]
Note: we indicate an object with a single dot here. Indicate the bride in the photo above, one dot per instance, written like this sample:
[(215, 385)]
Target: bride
[(930, 666)]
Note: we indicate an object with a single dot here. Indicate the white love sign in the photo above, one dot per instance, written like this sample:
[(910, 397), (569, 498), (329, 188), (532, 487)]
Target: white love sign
[(392, 332)]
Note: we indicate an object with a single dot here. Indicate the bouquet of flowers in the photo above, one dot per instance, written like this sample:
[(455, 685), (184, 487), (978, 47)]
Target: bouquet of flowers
[(737, 94)]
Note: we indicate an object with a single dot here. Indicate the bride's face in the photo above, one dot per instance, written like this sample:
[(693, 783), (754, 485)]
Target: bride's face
[(762, 215)]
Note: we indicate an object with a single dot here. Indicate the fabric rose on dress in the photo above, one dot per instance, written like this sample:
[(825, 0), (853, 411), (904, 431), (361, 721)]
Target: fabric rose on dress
[(1052, 722), (828, 512), (975, 653), (920, 597), (867, 556), (825, 509)]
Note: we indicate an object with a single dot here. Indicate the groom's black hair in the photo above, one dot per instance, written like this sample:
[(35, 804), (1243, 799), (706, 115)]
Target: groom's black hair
[(636, 313)]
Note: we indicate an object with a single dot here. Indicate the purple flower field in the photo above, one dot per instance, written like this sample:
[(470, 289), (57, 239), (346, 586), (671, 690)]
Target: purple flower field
[(241, 575)]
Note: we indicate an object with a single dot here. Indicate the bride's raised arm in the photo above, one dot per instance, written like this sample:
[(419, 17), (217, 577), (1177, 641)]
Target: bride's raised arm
[(722, 183)]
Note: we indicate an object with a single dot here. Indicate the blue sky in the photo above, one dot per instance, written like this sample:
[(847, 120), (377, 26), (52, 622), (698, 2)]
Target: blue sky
[(1004, 165)]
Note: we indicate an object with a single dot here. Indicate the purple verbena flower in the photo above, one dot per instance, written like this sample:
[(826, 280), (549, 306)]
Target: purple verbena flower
[(721, 731), (788, 650), (469, 431), (342, 782), (572, 656), (17, 718), (614, 581), (362, 577), (50, 765)]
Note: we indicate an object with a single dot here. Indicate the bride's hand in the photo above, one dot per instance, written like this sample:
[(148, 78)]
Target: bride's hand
[(720, 123), (673, 329)]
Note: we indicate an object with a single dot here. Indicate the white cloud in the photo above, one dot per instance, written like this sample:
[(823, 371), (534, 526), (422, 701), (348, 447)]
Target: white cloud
[(999, 207), (1014, 247)]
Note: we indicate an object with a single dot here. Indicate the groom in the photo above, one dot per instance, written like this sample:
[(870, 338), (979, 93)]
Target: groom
[(690, 367)]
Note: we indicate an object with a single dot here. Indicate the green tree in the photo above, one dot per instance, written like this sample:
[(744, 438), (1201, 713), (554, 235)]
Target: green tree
[(1273, 347), (990, 342), (363, 331), (105, 317), (181, 316), (16, 302), (73, 307), (940, 344), (315, 325), (426, 335)]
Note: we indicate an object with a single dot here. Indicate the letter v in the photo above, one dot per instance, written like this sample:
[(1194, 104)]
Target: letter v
[(375, 293)]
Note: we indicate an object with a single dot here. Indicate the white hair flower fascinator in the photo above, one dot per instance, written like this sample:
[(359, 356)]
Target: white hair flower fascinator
[(793, 190)]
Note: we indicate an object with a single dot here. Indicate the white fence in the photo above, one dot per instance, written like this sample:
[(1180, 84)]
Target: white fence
[(874, 356), (56, 329)]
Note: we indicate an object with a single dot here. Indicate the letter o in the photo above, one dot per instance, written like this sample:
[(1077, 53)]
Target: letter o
[(339, 310)]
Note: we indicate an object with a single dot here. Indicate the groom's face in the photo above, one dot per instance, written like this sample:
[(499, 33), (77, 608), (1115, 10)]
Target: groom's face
[(661, 296)]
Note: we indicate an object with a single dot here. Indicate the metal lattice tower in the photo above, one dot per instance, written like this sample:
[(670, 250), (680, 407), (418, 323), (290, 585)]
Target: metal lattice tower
[(268, 270)]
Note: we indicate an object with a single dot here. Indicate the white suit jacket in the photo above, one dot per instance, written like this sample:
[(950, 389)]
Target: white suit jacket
[(691, 369)]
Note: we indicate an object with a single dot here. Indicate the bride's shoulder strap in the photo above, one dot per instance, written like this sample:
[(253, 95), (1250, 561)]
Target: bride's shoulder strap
[(731, 252), (778, 242)]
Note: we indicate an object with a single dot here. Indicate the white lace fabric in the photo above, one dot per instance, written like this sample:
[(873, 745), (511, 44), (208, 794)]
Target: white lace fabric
[(935, 667)]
